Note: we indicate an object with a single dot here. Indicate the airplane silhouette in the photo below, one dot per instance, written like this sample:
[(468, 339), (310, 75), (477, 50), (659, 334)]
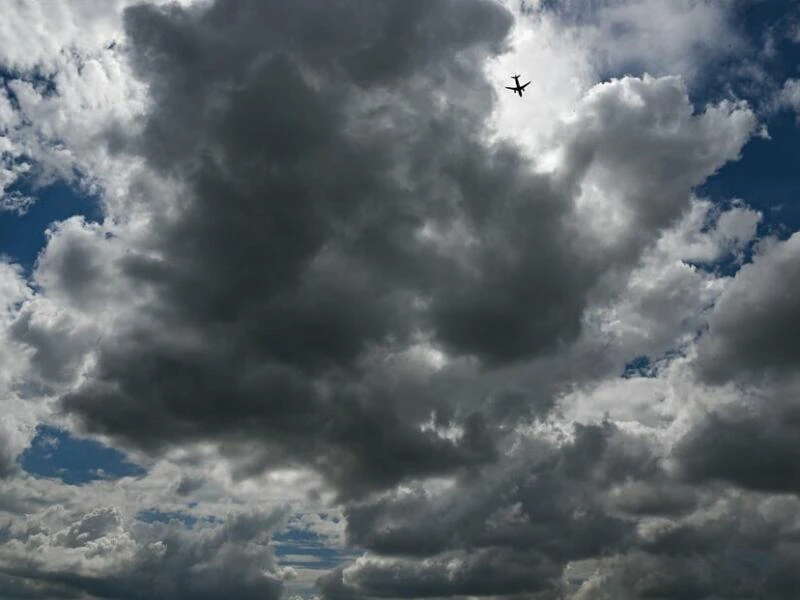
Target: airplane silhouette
[(518, 88)]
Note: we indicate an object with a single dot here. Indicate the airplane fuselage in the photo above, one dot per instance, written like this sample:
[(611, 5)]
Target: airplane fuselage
[(517, 89)]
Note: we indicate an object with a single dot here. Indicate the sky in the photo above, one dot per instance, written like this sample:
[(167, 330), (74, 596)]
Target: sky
[(299, 302)]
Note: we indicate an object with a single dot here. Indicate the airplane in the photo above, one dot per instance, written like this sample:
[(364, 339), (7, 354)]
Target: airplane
[(518, 88)]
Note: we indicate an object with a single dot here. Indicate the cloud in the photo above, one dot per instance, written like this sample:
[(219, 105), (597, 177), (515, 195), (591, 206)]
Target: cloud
[(328, 275), (417, 233), (789, 95), (18, 419), (63, 86), (8, 452), (643, 150), (91, 527), (750, 347), (332, 274), (685, 36), (100, 555), (751, 327), (570, 526), (16, 203), (481, 574), (717, 448)]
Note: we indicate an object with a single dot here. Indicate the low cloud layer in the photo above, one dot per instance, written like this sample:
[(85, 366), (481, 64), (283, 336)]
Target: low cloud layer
[(105, 557)]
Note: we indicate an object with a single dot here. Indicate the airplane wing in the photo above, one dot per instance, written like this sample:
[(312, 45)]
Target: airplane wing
[(510, 88), (526, 85)]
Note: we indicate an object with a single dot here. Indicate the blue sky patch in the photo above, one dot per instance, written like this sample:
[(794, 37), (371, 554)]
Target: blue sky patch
[(301, 548), (765, 177), (55, 453), (638, 367), (22, 237)]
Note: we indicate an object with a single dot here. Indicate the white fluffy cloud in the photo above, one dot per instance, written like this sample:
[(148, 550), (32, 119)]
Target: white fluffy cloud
[(66, 92), (683, 37), (789, 95)]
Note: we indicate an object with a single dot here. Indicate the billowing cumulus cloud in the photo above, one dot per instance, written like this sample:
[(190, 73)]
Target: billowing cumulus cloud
[(369, 340), (100, 554), (751, 343), (685, 36), (416, 233)]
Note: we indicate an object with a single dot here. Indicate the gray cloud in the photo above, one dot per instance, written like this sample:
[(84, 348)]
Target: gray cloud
[(299, 253), (8, 454), (341, 228), (691, 38), (340, 203), (54, 342), (107, 559), (92, 526), (752, 342), (513, 528), (752, 444), (480, 573), (16, 588), (753, 329), (554, 527)]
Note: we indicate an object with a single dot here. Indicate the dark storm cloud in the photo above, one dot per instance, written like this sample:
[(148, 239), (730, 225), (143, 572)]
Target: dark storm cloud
[(336, 209), (554, 510), (738, 548), (562, 506), (355, 435), (754, 328), (19, 588), (339, 203), (481, 573), (660, 498), (548, 485), (756, 448), (188, 485), (753, 341), (534, 515), (314, 198)]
